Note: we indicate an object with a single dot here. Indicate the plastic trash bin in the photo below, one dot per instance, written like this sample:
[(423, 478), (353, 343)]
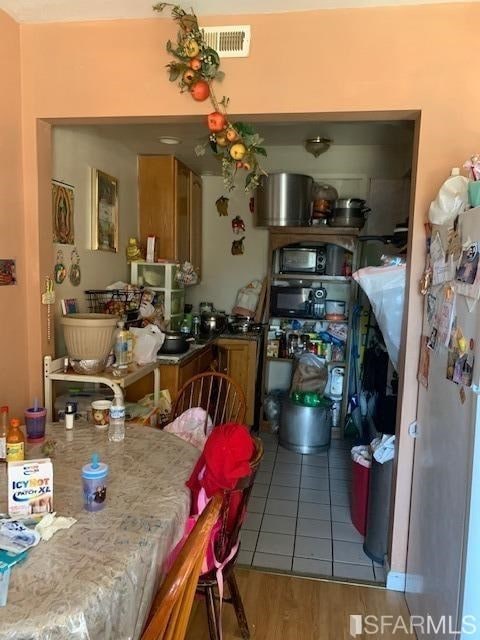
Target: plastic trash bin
[(378, 513), (359, 495)]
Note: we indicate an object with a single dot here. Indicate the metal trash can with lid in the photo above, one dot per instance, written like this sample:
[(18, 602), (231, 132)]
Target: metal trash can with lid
[(378, 513)]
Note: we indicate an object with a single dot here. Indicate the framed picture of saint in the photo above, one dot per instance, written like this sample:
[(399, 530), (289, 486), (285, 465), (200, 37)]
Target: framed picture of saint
[(104, 211), (63, 196)]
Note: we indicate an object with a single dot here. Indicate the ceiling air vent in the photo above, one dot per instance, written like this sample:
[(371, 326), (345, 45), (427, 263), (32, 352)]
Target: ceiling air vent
[(232, 41)]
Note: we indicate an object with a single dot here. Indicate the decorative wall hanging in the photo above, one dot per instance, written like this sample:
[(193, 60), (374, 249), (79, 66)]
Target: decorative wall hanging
[(8, 275), (59, 271), (238, 225), (104, 211), (74, 272), (222, 205), (195, 68), (62, 211), (48, 298), (237, 247)]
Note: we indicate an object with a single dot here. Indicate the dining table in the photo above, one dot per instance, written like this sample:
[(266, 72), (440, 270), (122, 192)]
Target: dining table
[(97, 579)]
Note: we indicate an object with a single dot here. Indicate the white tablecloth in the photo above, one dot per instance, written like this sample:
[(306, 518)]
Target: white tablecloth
[(97, 579)]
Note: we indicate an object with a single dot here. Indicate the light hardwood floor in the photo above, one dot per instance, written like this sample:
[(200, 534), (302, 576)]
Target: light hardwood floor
[(287, 608)]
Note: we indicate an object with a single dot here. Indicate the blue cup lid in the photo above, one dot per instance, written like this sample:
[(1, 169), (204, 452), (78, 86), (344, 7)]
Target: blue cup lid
[(95, 469)]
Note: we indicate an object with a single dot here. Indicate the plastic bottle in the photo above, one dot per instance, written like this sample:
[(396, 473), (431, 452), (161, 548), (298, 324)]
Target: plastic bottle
[(3, 433), (70, 411), (15, 442), (116, 426), (123, 346)]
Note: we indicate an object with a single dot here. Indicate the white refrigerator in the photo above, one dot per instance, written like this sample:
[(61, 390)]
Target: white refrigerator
[(443, 562)]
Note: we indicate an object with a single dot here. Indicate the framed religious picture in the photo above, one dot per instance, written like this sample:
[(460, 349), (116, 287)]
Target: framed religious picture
[(62, 211), (104, 211)]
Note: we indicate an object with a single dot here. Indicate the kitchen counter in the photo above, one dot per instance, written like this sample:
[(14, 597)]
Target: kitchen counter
[(195, 348)]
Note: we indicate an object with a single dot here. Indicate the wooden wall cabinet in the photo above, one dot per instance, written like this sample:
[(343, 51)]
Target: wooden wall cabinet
[(238, 358), (170, 207)]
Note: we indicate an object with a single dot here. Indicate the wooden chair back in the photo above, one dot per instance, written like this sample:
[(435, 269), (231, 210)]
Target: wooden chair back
[(172, 605), (221, 397), (235, 503)]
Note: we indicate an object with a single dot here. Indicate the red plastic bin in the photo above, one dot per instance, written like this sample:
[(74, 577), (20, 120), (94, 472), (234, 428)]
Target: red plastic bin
[(359, 493)]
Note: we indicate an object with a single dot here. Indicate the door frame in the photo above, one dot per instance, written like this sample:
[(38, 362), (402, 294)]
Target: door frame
[(39, 262)]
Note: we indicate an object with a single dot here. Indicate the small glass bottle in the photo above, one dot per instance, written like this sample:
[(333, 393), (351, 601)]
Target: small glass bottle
[(116, 425)]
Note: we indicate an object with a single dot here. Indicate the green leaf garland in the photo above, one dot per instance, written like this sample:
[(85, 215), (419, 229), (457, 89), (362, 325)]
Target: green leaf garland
[(195, 69)]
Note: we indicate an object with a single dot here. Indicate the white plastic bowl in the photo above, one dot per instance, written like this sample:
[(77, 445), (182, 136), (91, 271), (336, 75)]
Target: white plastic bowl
[(88, 336)]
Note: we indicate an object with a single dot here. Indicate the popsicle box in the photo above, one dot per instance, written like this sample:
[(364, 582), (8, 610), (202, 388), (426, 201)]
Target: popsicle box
[(30, 487)]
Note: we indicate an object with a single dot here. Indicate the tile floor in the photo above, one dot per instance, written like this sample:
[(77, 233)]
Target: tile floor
[(299, 517)]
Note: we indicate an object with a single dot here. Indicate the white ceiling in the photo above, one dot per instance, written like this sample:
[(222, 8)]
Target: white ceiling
[(143, 138), (79, 10)]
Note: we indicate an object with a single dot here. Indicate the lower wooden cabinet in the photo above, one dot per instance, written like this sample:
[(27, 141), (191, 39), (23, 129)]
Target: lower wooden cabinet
[(238, 358), (173, 376)]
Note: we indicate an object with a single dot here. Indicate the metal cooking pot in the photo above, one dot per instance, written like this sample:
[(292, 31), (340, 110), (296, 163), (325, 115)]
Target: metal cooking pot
[(212, 323), (175, 343), (282, 200), (238, 324), (348, 212)]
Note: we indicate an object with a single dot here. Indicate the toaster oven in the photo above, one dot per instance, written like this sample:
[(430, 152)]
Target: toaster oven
[(303, 260)]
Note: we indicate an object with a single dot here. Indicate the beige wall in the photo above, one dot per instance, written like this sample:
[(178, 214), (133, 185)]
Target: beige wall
[(75, 150), (400, 59), (348, 166), (13, 324), (222, 273)]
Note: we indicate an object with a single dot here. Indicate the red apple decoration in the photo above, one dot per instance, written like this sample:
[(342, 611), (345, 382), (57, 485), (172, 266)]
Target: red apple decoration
[(216, 121), (200, 91), (195, 64)]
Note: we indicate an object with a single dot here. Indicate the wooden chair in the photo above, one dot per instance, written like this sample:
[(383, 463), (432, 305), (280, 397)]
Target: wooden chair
[(225, 543), (221, 397), (172, 605)]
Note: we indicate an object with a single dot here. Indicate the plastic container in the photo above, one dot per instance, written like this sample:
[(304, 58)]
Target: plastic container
[(35, 420), (88, 336), (94, 478), (359, 496), (123, 346), (116, 427), (15, 442)]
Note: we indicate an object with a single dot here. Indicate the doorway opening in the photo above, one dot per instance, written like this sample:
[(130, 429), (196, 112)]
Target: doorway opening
[(299, 517)]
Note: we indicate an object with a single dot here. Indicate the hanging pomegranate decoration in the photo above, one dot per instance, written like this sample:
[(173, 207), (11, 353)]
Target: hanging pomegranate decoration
[(200, 90), (195, 67)]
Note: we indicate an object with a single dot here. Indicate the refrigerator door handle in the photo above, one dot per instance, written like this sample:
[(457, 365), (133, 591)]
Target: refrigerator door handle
[(413, 429)]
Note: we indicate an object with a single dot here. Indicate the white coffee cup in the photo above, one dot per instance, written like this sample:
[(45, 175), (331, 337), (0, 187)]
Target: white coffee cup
[(101, 413)]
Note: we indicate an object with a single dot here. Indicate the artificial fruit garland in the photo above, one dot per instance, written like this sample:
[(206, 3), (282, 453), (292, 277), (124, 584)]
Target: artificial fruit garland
[(195, 67)]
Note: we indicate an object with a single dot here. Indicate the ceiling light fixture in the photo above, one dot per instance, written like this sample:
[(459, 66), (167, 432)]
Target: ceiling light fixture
[(169, 140), (318, 145)]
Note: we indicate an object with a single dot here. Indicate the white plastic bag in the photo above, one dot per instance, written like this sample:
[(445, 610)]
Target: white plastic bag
[(362, 455), (383, 448), (452, 199), (147, 343), (247, 299), (385, 288)]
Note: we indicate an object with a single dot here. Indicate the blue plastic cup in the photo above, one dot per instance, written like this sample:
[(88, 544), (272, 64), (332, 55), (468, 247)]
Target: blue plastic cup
[(94, 478)]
